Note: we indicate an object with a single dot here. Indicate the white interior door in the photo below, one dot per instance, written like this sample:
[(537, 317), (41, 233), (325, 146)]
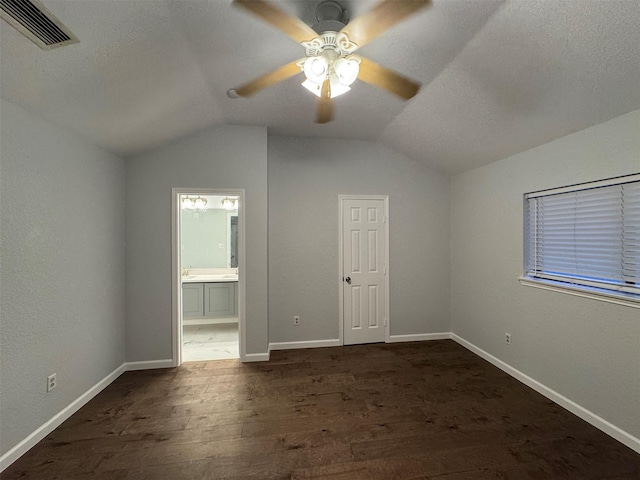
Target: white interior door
[(364, 270)]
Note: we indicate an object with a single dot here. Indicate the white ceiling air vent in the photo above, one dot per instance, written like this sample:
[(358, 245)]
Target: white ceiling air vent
[(36, 23)]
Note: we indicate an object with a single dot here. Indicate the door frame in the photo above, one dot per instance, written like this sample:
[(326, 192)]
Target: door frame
[(176, 270), (341, 199)]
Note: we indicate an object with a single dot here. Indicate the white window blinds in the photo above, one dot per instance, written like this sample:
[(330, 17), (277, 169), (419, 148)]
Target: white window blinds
[(586, 235)]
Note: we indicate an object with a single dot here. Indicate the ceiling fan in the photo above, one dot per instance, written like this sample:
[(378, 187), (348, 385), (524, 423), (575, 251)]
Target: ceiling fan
[(329, 65)]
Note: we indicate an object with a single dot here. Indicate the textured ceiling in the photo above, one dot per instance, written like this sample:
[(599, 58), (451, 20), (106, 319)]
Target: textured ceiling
[(498, 77)]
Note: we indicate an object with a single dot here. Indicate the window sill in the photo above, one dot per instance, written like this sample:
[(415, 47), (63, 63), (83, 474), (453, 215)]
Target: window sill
[(626, 299)]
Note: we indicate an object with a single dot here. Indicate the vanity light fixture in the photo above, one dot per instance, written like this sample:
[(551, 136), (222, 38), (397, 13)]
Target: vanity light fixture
[(229, 203), (197, 202), (187, 202), (200, 202)]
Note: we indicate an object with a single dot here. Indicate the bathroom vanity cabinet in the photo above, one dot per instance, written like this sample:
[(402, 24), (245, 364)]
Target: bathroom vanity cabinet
[(209, 300), (192, 300), (219, 299)]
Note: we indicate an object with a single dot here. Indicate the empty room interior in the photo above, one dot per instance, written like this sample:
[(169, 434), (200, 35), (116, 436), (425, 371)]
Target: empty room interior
[(351, 239)]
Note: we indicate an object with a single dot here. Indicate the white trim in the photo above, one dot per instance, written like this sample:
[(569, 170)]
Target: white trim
[(332, 342), (176, 273), (149, 364), (581, 291), (29, 442), (176, 270), (340, 272), (50, 425), (255, 357), (419, 337), (341, 199), (587, 415)]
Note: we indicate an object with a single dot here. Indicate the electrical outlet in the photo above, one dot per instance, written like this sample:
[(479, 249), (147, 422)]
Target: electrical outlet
[(507, 338), (51, 382), (296, 320)]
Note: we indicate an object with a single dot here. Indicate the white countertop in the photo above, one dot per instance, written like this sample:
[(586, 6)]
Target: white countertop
[(210, 278)]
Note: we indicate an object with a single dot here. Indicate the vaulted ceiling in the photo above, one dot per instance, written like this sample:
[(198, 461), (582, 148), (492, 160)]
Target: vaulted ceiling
[(498, 77)]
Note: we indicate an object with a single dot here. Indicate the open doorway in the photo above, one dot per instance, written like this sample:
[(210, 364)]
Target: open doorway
[(208, 274)]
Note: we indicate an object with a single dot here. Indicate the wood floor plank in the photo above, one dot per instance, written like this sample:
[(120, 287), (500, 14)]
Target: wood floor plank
[(424, 410)]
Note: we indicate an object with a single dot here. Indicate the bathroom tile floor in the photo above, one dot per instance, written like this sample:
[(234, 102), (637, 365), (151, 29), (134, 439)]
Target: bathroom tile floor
[(210, 342)]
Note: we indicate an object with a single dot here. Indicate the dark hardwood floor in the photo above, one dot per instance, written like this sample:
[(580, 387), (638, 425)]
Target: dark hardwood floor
[(428, 410)]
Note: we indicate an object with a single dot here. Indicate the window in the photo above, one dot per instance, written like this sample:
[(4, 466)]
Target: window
[(586, 237)]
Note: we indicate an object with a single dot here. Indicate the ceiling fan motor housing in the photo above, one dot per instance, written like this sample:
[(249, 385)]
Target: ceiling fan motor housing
[(333, 40), (331, 17)]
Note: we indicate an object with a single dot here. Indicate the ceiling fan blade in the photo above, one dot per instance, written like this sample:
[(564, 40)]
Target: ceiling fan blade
[(381, 77), (380, 19), (325, 104), (254, 86), (293, 27)]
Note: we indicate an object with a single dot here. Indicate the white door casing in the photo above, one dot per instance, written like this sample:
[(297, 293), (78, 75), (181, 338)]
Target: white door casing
[(176, 274), (364, 268)]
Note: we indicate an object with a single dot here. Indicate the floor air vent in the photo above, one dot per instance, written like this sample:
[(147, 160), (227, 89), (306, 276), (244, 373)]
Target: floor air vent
[(36, 23)]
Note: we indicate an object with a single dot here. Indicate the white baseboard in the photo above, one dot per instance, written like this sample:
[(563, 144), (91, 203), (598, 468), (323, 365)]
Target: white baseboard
[(25, 445), (419, 337), (332, 342), (148, 365), (255, 357), (587, 415), (590, 417)]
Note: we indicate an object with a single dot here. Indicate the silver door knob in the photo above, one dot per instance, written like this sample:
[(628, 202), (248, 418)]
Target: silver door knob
[(348, 280)]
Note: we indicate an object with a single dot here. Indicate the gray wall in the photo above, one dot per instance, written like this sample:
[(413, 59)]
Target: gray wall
[(221, 157), (305, 178), (587, 350), (62, 275)]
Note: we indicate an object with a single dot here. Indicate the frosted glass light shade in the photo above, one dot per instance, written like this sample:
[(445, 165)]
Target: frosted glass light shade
[(337, 88), (316, 69), (314, 88), (347, 70), (199, 202), (228, 203), (187, 202)]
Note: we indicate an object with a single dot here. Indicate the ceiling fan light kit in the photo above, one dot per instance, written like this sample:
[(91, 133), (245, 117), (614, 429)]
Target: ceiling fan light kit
[(329, 57), (330, 66)]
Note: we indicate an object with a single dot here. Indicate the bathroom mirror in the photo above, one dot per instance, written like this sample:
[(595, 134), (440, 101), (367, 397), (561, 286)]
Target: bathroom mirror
[(209, 232)]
